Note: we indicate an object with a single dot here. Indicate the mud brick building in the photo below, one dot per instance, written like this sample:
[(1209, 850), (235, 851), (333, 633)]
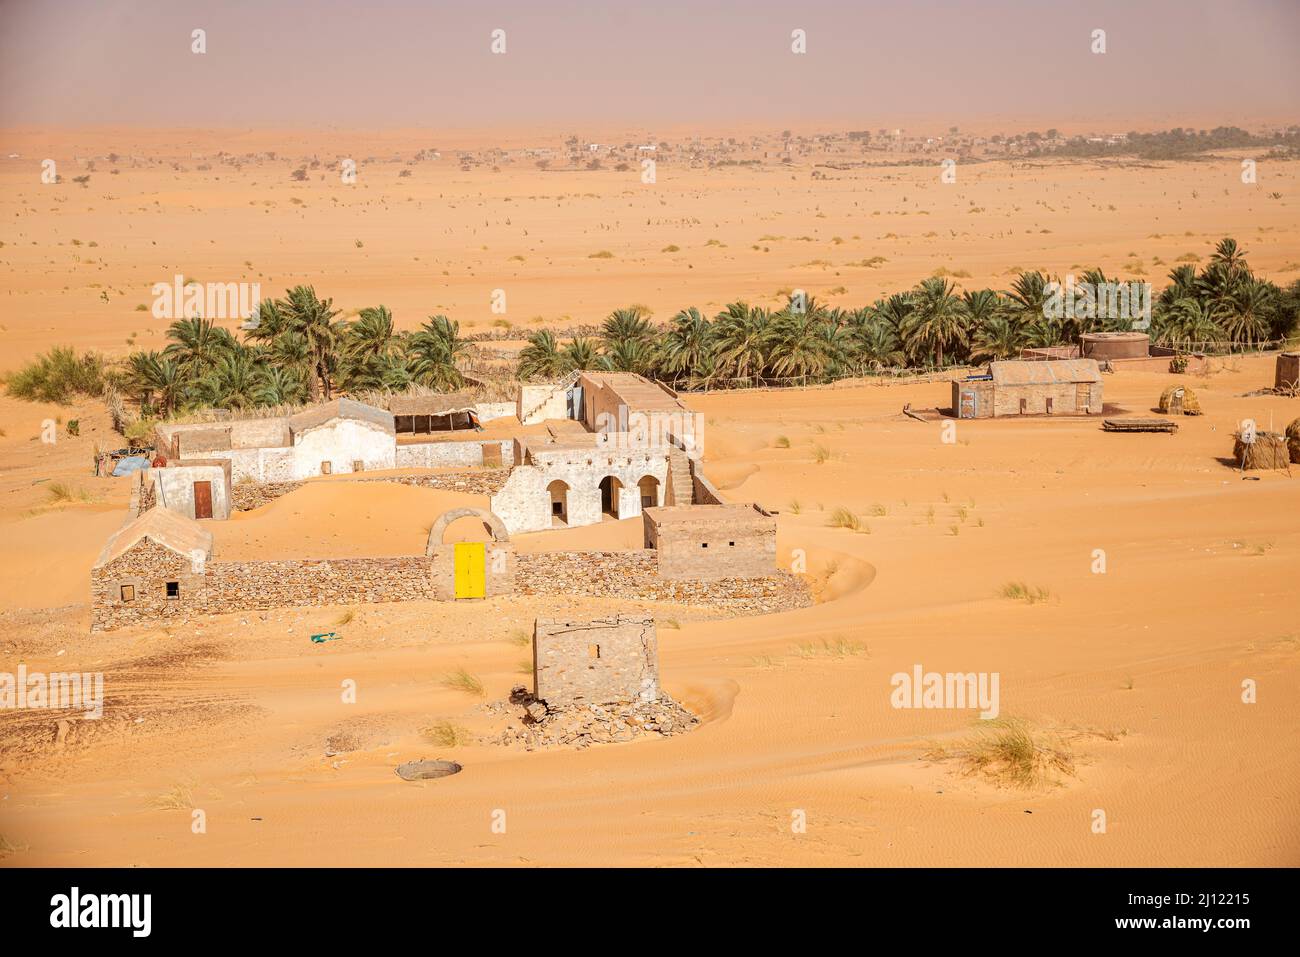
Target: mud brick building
[(1020, 387), (602, 661)]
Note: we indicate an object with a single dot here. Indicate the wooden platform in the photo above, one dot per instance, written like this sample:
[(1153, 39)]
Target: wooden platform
[(1139, 425)]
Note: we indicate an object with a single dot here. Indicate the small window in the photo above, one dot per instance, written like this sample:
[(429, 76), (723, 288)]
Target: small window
[(1049, 406), (593, 651), (358, 466), (732, 544), (173, 589), (326, 468), (128, 593), (704, 544)]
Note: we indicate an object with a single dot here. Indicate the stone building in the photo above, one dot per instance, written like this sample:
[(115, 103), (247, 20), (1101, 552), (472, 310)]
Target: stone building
[(603, 661), (194, 488), (706, 542), (151, 568), (1018, 387), (581, 479)]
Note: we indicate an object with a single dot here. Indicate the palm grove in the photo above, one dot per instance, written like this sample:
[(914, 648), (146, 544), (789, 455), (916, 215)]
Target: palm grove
[(300, 350)]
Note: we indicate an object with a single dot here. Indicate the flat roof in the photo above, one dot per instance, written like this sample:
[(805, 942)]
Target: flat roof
[(694, 514), (638, 393)]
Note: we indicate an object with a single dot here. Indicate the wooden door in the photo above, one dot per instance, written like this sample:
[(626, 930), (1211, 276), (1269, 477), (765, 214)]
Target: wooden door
[(202, 499), (1082, 398), (471, 569)]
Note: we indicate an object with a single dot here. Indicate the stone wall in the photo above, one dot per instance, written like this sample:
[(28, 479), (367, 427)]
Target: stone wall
[(432, 455), (133, 588), (235, 586), (1064, 396), (634, 576), (605, 661)]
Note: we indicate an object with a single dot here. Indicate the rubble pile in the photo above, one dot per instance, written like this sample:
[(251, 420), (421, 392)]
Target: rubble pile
[(536, 725)]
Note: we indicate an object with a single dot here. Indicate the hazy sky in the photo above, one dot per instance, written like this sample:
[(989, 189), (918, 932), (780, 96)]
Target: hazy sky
[(370, 63)]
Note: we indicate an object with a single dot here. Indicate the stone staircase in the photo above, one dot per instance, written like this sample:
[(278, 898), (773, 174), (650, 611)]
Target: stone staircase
[(562, 386), (681, 488)]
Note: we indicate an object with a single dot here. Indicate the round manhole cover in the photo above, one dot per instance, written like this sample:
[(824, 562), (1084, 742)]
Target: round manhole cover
[(424, 770)]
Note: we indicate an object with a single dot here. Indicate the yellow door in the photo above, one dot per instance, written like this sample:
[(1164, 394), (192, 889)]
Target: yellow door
[(471, 569)]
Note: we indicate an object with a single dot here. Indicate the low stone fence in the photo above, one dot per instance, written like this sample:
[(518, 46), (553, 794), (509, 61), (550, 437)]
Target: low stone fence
[(237, 586), (250, 495), (635, 576)]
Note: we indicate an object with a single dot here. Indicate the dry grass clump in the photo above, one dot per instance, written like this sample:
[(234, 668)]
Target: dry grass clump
[(462, 680), (1019, 591), (837, 647), (1011, 752), (8, 847), (447, 734), (1268, 451), (821, 454), (61, 492), (1179, 399), (179, 798), (782, 442), (843, 518)]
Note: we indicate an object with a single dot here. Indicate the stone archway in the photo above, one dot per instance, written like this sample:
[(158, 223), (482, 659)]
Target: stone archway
[(610, 487), (496, 528), (558, 494)]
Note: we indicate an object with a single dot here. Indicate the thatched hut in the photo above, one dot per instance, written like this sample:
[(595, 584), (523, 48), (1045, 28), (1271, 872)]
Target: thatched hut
[(1293, 440), (1179, 400), (1268, 451)]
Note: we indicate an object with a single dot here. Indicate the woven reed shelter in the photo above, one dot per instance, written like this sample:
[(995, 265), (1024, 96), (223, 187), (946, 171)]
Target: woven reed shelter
[(1179, 400), (1293, 440), (1268, 451)]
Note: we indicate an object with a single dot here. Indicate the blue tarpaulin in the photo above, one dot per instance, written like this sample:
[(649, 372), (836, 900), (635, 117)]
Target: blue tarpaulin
[(128, 465)]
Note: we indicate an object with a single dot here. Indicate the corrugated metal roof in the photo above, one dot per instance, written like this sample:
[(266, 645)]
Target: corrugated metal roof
[(1048, 372), (340, 409), (182, 535)]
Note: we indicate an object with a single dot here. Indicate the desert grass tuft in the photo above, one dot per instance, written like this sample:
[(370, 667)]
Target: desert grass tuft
[(1019, 591), (841, 517), (447, 734), (180, 797), (1011, 752), (836, 647), (462, 680)]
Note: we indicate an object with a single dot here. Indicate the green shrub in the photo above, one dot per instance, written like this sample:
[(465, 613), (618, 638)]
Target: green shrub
[(57, 376)]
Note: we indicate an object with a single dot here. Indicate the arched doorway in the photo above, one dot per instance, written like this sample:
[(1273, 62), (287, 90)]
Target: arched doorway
[(559, 497), (609, 494), (465, 563), (649, 489)]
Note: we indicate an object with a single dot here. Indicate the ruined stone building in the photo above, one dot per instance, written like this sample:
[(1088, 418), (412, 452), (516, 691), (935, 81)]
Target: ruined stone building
[(603, 661)]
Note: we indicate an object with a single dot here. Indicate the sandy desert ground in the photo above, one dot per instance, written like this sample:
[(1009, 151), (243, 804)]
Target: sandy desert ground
[(1139, 669)]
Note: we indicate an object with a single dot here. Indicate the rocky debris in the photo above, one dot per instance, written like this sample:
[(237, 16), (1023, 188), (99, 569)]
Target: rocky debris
[(536, 725)]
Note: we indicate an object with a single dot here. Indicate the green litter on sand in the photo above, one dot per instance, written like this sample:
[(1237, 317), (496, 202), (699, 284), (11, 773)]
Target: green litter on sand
[(325, 636)]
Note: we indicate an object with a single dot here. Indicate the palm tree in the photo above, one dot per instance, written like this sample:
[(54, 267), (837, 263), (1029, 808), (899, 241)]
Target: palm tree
[(156, 376), (1189, 321), (581, 354), (878, 345), (625, 325), (1245, 317), (936, 319), (688, 347), (436, 350), (1028, 295), (541, 358), (629, 355), (796, 345), (232, 382), (197, 344), (314, 320), (278, 386), (742, 340), (999, 337)]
